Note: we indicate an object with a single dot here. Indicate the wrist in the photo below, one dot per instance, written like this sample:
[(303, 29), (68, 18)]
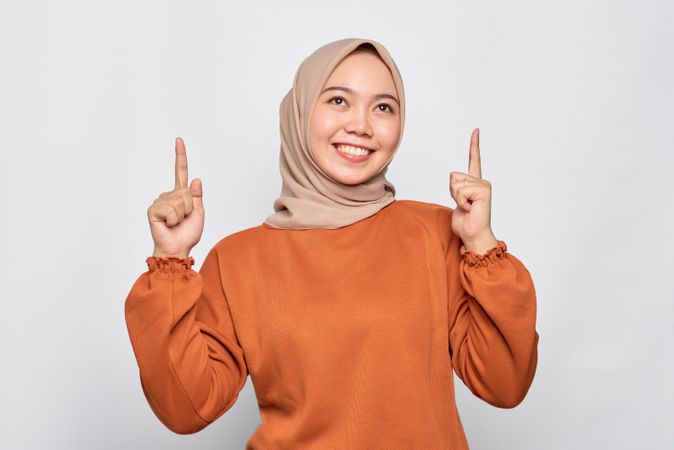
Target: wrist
[(482, 245), (164, 254)]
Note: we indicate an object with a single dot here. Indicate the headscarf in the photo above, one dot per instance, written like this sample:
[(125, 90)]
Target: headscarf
[(309, 197)]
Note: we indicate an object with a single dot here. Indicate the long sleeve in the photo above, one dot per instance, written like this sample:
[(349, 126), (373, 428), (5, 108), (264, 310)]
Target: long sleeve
[(492, 317), (191, 364)]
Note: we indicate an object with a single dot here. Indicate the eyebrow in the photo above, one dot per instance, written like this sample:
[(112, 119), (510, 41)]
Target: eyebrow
[(351, 91)]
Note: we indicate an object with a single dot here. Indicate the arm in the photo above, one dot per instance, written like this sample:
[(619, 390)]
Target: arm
[(492, 317), (191, 365)]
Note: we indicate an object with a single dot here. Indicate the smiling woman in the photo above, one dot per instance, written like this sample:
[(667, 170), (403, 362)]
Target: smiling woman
[(350, 310), (355, 125), (347, 92)]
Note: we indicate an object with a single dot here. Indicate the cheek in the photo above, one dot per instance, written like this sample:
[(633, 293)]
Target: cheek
[(388, 132), (323, 125)]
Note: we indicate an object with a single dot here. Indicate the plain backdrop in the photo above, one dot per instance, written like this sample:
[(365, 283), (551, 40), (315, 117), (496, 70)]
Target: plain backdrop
[(575, 103)]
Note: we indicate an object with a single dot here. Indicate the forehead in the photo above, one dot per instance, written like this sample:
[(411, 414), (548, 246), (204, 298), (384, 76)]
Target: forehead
[(362, 69)]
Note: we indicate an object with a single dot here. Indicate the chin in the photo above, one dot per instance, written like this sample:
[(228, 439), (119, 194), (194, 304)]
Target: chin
[(356, 177), (351, 181)]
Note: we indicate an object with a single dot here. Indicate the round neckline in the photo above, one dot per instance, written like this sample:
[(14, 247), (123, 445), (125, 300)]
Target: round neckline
[(319, 229)]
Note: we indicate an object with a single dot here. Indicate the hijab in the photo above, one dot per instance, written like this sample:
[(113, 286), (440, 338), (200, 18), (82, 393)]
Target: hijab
[(309, 197)]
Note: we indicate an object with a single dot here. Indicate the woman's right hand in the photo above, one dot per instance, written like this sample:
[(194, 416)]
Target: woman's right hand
[(177, 217)]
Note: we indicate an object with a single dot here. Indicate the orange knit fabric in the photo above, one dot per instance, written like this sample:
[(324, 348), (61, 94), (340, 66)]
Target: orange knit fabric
[(349, 335)]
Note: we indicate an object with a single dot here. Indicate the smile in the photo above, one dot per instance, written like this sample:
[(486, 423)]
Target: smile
[(352, 153)]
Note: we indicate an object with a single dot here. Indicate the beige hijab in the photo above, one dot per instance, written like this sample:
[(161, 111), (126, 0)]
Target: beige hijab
[(310, 198)]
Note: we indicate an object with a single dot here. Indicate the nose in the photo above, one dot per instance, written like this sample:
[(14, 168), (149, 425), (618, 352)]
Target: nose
[(359, 123)]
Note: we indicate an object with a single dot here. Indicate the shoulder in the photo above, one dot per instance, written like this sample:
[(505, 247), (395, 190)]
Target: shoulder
[(241, 243), (434, 218), (429, 213)]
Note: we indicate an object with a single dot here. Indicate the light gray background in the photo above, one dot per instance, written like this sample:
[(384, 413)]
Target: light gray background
[(574, 100)]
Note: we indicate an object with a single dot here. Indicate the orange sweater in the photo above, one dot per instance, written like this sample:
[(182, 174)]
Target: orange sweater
[(349, 335)]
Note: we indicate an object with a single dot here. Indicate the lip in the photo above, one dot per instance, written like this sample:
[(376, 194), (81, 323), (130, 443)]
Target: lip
[(353, 145), (352, 158)]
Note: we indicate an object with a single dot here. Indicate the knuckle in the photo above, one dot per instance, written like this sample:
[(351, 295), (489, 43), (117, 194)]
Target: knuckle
[(175, 200)]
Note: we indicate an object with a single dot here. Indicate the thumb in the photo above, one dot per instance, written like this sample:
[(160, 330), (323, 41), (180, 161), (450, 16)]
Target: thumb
[(196, 189)]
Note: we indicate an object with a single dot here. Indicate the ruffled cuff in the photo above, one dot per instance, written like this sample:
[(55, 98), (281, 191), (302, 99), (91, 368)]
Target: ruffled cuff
[(169, 264), (492, 256)]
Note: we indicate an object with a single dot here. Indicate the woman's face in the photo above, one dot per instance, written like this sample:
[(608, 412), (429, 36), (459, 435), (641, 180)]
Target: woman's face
[(358, 106)]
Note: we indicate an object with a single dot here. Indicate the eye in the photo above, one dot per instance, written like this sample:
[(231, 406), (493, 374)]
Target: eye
[(336, 98), (386, 105)]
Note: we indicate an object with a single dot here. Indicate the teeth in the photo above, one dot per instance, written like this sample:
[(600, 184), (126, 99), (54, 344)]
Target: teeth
[(353, 150)]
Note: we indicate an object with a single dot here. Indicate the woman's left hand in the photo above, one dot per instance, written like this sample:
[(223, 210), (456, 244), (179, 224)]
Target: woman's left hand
[(471, 219)]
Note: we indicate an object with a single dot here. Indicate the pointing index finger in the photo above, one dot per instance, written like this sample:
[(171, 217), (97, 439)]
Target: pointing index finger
[(474, 166), (181, 163)]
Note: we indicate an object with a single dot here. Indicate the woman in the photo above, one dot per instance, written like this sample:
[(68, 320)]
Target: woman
[(348, 308)]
